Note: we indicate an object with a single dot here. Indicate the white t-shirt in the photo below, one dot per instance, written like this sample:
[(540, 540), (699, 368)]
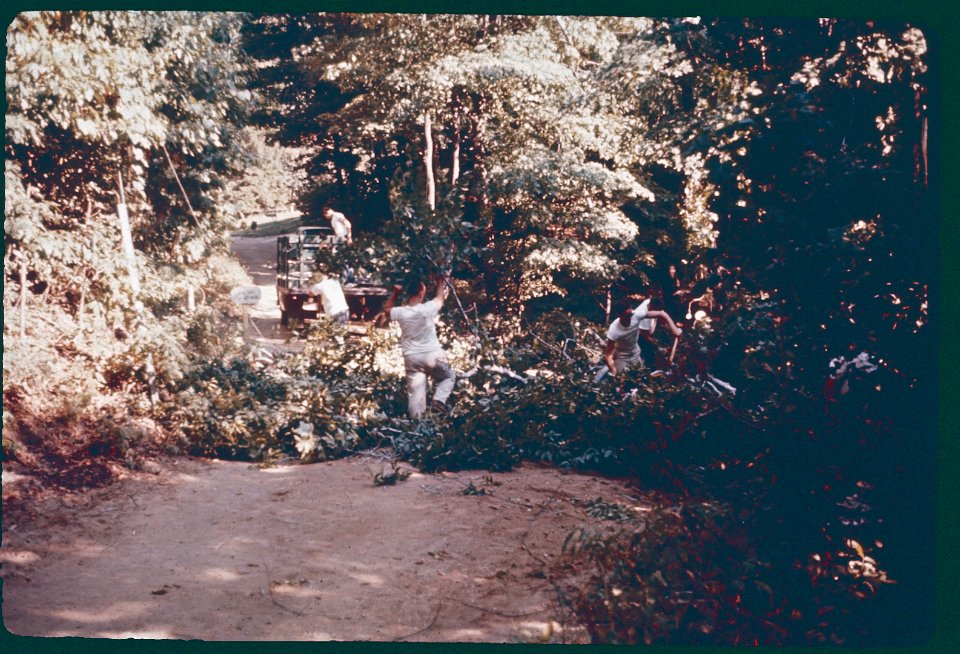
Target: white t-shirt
[(331, 295), (340, 224), (418, 330), (625, 338)]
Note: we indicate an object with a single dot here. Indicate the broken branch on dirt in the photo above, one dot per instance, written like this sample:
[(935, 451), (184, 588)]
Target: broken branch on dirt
[(428, 627), (269, 596), (501, 613)]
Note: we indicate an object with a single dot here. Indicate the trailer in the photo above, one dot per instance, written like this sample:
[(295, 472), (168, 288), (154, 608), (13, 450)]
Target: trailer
[(296, 266)]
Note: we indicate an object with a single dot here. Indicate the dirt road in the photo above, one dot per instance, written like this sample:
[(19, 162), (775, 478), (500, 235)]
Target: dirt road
[(258, 255), (214, 550), (219, 550)]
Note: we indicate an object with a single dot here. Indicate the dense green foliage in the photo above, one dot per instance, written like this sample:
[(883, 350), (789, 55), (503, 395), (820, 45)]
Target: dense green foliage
[(96, 100), (269, 182), (782, 166), (319, 404)]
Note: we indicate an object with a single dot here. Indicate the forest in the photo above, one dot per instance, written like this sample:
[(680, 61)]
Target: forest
[(774, 181)]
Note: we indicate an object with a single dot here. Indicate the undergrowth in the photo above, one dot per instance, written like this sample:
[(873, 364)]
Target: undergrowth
[(721, 567)]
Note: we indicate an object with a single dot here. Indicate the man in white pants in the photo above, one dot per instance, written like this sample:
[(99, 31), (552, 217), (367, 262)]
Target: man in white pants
[(622, 350), (422, 354)]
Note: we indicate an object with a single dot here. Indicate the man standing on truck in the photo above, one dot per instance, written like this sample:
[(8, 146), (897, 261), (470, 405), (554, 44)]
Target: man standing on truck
[(332, 297), (422, 353), (342, 229), (622, 349)]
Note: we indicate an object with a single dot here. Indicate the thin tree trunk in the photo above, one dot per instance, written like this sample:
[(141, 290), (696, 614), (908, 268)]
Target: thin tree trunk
[(455, 166), (428, 161), (127, 242), (923, 148), (126, 239), (23, 298), (180, 184), (83, 299)]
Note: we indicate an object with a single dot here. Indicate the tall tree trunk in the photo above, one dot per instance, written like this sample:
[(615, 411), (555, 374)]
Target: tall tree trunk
[(23, 298), (455, 165), (428, 162), (455, 111)]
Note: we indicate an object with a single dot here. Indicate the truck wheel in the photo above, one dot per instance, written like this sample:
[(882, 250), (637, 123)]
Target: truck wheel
[(284, 318)]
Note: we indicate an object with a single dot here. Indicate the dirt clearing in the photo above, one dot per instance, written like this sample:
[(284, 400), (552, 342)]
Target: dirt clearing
[(219, 550)]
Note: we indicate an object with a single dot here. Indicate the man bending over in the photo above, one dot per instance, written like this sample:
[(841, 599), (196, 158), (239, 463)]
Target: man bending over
[(622, 349)]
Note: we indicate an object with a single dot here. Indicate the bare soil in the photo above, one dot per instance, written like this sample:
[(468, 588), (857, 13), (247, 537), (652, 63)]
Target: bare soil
[(219, 550)]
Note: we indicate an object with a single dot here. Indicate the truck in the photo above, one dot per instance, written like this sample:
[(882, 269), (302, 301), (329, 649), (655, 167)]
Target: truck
[(296, 266)]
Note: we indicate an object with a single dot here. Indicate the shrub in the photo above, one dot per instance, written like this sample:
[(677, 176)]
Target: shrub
[(695, 574), (317, 404)]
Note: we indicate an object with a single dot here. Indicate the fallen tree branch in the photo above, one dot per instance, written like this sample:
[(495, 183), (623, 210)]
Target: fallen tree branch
[(269, 596), (497, 369), (734, 414), (428, 627), (500, 613), (552, 347), (527, 550)]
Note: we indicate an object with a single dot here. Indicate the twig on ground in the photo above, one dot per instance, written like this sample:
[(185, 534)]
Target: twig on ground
[(497, 369), (704, 414), (527, 506), (501, 613), (523, 538), (273, 600), (544, 504), (733, 413), (552, 347), (527, 550), (428, 627), (374, 454), (269, 596)]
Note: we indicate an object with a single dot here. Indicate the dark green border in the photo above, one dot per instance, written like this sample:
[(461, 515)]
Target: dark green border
[(940, 22)]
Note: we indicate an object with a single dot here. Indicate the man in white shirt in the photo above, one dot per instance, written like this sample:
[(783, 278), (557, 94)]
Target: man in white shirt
[(422, 353), (622, 349), (342, 229), (332, 297)]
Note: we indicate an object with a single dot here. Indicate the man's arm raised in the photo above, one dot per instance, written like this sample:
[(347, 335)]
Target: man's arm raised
[(442, 290), (384, 316), (663, 315)]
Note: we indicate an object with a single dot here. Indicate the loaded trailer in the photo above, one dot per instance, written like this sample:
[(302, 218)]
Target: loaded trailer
[(296, 266)]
